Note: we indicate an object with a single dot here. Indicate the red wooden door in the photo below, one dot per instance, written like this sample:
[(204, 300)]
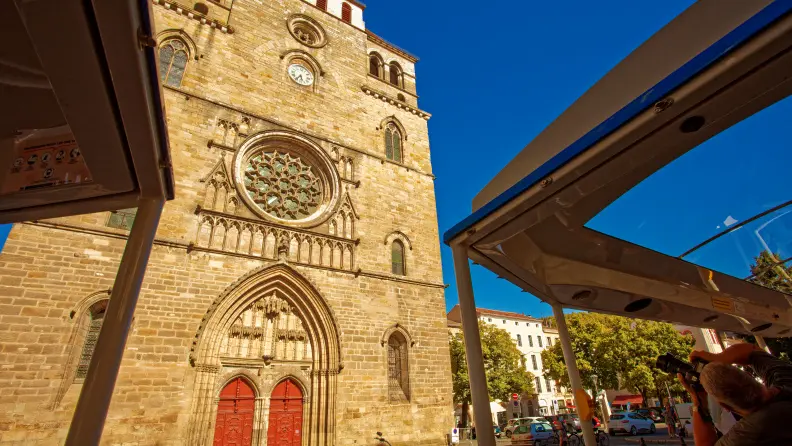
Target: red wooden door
[(235, 415), (285, 420)]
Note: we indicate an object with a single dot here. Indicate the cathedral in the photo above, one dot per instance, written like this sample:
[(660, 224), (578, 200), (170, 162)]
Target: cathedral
[(294, 294)]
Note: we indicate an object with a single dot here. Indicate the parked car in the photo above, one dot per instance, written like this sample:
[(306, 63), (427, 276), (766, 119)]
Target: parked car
[(631, 423), (513, 423), (532, 433), (652, 413)]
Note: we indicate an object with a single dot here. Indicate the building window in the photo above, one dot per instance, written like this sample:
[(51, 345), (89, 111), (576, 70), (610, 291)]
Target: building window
[(530, 341), (397, 258), (393, 140), (395, 74), (346, 13), (96, 316), (533, 361), (519, 341), (516, 323), (122, 219), (321, 4), (548, 386), (549, 341), (489, 319), (539, 338), (402, 99), (201, 8), (398, 371), (173, 61), (538, 385), (527, 324), (375, 65), (307, 31)]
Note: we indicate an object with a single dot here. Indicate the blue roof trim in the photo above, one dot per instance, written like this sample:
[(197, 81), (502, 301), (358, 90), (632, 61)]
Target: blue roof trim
[(683, 74)]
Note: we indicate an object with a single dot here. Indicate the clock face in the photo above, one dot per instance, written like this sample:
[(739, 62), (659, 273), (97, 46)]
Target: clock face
[(301, 75)]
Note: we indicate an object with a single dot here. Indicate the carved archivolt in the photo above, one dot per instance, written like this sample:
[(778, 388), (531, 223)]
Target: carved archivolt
[(275, 320)]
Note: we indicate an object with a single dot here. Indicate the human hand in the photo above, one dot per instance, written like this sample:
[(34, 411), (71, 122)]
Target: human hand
[(705, 355), (699, 397)]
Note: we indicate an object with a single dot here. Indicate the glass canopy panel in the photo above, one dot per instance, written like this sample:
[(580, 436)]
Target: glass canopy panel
[(737, 175), (751, 248)]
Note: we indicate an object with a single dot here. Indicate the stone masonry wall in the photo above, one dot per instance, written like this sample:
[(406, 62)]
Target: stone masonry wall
[(48, 269)]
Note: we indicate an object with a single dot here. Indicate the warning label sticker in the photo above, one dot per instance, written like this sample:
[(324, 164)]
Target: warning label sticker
[(723, 304), (45, 159)]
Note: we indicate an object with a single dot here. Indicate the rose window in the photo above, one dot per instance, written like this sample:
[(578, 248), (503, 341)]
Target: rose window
[(283, 185), (305, 35), (307, 31)]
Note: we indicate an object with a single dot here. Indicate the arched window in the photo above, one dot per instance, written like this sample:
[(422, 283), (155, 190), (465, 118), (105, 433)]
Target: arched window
[(375, 65), (346, 13), (393, 142), (321, 4), (398, 369), (397, 258), (95, 318), (173, 61), (395, 74), (201, 8)]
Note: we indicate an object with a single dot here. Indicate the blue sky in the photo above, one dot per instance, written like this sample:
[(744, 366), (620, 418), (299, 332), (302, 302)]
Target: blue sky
[(494, 74)]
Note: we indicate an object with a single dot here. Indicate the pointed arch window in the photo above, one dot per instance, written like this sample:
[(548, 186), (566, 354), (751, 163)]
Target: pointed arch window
[(397, 258), (95, 315), (393, 142), (398, 368), (346, 13), (173, 58), (395, 74)]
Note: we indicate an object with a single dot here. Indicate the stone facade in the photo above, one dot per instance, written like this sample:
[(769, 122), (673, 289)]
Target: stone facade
[(233, 290)]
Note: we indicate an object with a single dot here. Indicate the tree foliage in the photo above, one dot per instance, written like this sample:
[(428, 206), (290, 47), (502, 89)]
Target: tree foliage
[(506, 373), (621, 352), (767, 272)]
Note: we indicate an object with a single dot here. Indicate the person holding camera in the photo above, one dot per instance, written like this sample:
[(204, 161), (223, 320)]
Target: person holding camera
[(765, 410)]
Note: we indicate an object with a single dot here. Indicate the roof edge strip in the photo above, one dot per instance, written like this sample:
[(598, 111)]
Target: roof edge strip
[(725, 45)]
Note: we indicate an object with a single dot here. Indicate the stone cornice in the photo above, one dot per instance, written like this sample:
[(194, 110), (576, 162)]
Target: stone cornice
[(384, 43), (195, 15), (384, 97)]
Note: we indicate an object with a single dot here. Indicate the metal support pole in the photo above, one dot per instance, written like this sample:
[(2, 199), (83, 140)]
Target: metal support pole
[(761, 343), (91, 412), (572, 369), (475, 360)]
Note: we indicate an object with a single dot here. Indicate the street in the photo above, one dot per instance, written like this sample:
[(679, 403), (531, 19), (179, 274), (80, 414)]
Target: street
[(660, 437)]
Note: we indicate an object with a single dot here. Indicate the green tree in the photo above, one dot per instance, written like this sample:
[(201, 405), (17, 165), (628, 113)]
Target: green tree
[(622, 352), (767, 271), (506, 372)]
